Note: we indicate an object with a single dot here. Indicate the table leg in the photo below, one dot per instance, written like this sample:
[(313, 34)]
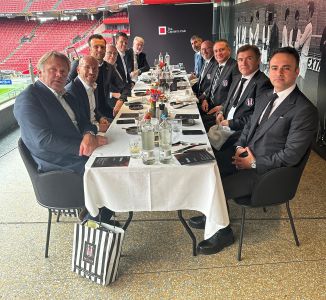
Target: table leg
[(185, 225), (125, 226)]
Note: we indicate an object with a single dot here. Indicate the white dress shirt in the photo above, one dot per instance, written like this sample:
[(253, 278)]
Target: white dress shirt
[(91, 99), (281, 97), (122, 55)]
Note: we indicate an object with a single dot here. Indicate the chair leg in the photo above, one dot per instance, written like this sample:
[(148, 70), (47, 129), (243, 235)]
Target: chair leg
[(292, 224), (48, 235), (243, 211), (58, 216)]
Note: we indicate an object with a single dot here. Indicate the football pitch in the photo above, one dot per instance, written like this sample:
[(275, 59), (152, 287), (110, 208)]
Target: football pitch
[(8, 92)]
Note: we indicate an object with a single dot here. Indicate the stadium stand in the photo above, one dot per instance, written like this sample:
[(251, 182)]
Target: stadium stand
[(13, 6), (44, 37), (42, 5), (73, 4)]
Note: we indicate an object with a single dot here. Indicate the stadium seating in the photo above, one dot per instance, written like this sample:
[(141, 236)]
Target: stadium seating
[(42, 5), (12, 6), (48, 36), (74, 4)]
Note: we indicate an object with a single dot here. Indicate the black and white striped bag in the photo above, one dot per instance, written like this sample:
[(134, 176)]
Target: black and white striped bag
[(96, 252)]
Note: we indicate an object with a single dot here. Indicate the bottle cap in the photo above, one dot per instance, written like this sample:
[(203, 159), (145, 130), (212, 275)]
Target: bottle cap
[(161, 106)]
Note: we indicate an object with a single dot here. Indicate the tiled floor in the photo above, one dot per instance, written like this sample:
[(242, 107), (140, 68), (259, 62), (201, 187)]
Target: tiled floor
[(157, 261)]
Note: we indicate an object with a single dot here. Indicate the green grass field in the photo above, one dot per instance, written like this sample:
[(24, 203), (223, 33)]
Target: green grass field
[(9, 92)]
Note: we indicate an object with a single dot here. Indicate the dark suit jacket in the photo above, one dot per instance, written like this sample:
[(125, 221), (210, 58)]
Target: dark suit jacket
[(47, 130), (78, 91), (258, 84), (221, 91), (112, 82), (142, 63), (204, 80), (285, 137), (128, 60)]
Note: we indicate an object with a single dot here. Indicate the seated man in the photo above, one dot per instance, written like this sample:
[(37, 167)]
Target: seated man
[(204, 80), (106, 80), (239, 106), (84, 88), (195, 42), (279, 133), (223, 73), (139, 62), (53, 127)]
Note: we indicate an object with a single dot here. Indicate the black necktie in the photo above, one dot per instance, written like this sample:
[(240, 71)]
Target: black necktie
[(268, 109), (239, 91)]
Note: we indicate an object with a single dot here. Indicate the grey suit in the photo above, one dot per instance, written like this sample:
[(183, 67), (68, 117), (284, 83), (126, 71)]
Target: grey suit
[(47, 130), (281, 141)]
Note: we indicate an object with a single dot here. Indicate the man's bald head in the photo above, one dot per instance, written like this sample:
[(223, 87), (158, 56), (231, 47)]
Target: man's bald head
[(88, 69)]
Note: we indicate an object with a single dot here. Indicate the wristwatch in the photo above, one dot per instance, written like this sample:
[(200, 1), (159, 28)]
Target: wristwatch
[(253, 164)]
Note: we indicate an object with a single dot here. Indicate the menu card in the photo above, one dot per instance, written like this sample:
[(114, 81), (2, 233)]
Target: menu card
[(112, 161), (194, 157)]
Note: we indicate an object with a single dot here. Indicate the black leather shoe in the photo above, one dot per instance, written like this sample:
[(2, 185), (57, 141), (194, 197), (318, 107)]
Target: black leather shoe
[(197, 222), (221, 239)]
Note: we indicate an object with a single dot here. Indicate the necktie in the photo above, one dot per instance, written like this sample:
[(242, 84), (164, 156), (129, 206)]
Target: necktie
[(202, 72), (268, 109), (215, 80), (239, 91)]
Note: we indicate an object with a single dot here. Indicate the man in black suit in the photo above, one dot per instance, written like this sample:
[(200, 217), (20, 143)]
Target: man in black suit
[(204, 80), (84, 88), (278, 134), (124, 59), (107, 81), (139, 62), (223, 73), (239, 106)]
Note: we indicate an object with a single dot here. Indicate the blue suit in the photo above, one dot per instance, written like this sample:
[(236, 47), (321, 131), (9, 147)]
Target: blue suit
[(47, 130), (199, 62)]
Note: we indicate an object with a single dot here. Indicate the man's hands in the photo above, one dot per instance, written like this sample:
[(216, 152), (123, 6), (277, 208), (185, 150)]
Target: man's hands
[(243, 162), (204, 106), (117, 107), (104, 124), (215, 109), (89, 143), (134, 73)]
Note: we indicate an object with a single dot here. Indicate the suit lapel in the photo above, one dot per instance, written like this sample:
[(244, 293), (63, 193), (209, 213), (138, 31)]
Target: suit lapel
[(231, 93), (251, 85), (224, 71), (82, 91)]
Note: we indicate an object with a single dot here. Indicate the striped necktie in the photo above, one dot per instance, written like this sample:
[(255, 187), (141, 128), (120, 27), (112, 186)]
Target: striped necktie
[(215, 80)]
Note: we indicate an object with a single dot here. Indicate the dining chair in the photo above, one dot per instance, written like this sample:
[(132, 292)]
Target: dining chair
[(276, 187), (61, 192)]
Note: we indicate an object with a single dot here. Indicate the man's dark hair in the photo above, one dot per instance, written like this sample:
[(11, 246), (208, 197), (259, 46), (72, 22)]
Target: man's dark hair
[(223, 41), (95, 36), (297, 15), (249, 47), (123, 34), (311, 8), (287, 13), (195, 37), (290, 51)]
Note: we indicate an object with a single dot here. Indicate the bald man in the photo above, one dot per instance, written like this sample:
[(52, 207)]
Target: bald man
[(84, 88), (204, 81)]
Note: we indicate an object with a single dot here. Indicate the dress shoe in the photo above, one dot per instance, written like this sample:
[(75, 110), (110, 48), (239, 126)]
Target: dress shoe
[(217, 242), (197, 222)]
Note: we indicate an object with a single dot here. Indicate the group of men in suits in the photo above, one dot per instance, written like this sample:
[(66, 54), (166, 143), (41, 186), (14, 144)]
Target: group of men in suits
[(271, 121)]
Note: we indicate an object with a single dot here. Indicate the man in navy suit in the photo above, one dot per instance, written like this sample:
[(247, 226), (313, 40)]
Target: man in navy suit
[(223, 73), (108, 80), (279, 133), (84, 88), (52, 124), (124, 59), (139, 62), (204, 80), (239, 106)]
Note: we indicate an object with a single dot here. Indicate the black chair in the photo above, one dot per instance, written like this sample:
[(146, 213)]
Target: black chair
[(275, 187), (61, 192)]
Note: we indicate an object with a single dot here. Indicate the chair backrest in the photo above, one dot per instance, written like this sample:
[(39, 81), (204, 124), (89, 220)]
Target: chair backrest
[(278, 185), (62, 189)]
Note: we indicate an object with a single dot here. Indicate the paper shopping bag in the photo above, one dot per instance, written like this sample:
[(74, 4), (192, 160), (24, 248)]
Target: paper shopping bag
[(96, 252)]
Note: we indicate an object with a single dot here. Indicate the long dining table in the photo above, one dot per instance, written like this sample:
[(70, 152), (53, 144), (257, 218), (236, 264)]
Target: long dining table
[(157, 187)]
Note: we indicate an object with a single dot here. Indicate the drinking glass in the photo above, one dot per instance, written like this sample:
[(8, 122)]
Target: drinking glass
[(176, 130), (135, 147)]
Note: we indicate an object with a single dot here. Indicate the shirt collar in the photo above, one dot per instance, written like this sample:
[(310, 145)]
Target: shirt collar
[(122, 54), (286, 92), (86, 85), (53, 91), (249, 77)]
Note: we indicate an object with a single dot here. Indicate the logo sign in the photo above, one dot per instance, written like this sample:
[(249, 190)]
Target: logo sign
[(5, 81), (162, 30), (89, 252)]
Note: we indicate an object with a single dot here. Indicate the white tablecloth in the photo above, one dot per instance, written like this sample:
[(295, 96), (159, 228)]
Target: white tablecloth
[(157, 187)]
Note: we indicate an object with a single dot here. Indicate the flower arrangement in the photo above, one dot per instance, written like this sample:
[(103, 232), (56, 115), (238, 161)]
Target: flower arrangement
[(154, 94), (161, 65)]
